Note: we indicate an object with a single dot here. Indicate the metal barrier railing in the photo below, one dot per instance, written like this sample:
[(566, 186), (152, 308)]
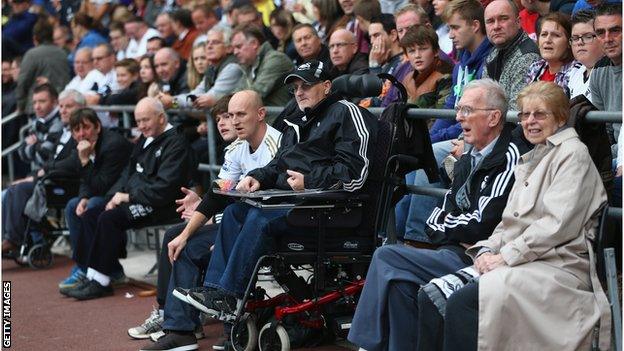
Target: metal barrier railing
[(213, 168)]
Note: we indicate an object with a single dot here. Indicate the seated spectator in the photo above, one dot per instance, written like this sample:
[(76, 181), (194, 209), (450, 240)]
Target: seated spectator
[(533, 10), (154, 44), (429, 85), (165, 28), (309, 46), (19, 28), (104, 63), (605, 84), (189, 252), (44, 60), (591, 5), (59, 146), (139, 33), (98, 10), (249, 15), (327, 13), (467, 30), (170, 72), (301, 10), (144, 194), (153, 324), (541, 248), (86, 76), (118, 40), (62, 38), (183, 28), (554, 46), (282, 26), (386, 54), (147, 73), (446, 44), (196, 66), (8, 90), (387, 313), (264, 66), (130, 89), (344, 55), (353, 23), (222, 76), (513, 52), (84, 31), (204, 18), (586, 50), (344, 136)]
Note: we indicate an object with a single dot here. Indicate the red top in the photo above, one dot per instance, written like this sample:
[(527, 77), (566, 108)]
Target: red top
[(547, 76), (527, 21)]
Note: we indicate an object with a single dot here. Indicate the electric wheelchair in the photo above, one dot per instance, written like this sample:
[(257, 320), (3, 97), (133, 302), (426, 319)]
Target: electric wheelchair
[(349, 226)]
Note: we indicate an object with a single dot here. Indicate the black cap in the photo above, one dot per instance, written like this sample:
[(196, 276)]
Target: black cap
[(310, 72)]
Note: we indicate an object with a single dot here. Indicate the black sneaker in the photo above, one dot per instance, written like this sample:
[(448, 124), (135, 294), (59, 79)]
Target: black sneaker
[(91, 290), (174, 341), (214, 303), (182, 293)]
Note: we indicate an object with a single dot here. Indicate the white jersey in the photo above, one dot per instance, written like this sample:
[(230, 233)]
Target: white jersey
[(239, 159), (136, 48), (577, 84)]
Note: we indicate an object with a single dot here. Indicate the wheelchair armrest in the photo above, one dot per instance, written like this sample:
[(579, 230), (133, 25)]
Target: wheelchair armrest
[(407, 161)]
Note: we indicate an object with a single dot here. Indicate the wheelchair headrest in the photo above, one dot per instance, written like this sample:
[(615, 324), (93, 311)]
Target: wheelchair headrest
[(357, 85)]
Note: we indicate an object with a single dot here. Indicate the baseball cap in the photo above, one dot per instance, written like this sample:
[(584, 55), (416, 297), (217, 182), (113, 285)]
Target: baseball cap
[(310, 72)]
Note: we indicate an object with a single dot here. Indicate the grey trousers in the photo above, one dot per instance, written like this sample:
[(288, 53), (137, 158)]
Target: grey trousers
[(387, 313)]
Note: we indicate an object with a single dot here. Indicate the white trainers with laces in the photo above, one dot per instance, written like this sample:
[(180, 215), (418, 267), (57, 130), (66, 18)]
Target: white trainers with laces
[(152, 324)]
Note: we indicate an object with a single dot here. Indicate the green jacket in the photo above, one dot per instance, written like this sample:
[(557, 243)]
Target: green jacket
[(266, 76)]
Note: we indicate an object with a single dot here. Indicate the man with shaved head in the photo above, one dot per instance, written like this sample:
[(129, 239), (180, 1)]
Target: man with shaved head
[(190, 251), (343, 52), (144, 194)]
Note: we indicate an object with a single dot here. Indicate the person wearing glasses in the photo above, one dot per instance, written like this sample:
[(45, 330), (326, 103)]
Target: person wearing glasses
[(387, 313), (343, 52), (586, 50), (537, 288), (222, 75), (553, 40)]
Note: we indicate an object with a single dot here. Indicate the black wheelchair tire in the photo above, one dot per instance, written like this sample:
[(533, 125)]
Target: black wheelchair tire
[(39, 256)]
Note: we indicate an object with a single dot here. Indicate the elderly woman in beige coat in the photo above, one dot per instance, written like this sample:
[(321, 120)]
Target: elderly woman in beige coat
[(538, 289)]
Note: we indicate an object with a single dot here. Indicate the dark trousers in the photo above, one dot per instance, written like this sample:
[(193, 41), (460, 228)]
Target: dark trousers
[(457, 330), (164, 266), (109, 239), (13, 204), (188, 272)]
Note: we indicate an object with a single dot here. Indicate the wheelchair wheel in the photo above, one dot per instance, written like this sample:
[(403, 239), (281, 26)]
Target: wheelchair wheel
[(39, 256), (273, 338), (245, 334)]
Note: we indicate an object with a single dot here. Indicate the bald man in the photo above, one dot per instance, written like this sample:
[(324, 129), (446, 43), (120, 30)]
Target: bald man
[(343, 52), (170, 72), (189, 253), (144, 194)]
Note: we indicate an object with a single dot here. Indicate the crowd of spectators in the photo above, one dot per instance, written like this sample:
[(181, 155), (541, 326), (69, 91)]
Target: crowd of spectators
[(230, 59)]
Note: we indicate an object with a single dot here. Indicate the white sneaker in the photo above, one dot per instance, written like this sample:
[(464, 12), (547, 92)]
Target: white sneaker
[(152, 324)]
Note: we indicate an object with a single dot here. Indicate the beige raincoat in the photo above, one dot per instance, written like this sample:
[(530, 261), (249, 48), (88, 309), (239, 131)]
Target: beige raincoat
[(548, 296)]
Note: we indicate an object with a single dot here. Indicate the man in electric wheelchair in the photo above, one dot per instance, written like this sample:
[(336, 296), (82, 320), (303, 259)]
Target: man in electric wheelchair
[(329, 146)]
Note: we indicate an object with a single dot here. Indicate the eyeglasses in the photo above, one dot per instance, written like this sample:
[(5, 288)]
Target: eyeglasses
[(304, 87), (213, 42), (537, 115), (582, 39), (339, 45), (465, 111)]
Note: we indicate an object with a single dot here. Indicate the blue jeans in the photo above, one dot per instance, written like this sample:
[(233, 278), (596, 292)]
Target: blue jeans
[(187, 272), (243, 237), (75, 225), (413, 210)]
